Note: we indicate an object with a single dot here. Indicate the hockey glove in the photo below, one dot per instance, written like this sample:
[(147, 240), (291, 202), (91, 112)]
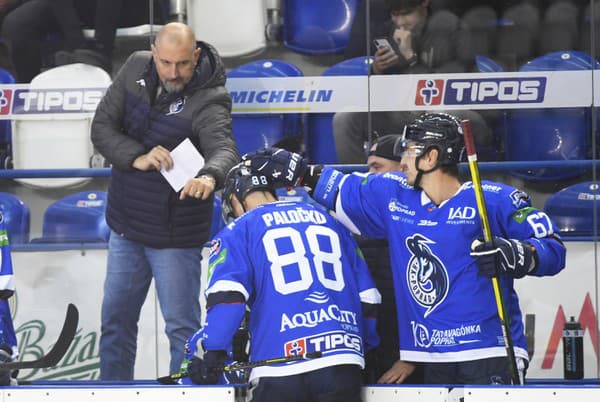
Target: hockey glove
[(507, 256), (207, 370), (285, 169)]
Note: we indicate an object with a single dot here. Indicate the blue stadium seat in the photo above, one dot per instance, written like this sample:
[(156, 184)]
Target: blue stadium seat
[(256, 131), (16, 216), (5, 125), (572, 209), (552, 133), (487, 65), (76, 218), (317, 26), (320, 144)]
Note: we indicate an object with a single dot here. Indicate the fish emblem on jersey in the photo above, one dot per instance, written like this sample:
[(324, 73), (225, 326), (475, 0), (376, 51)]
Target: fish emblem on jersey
[(426, 276)]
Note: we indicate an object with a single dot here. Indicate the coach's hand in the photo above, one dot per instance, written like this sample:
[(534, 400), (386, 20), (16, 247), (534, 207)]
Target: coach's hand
[(509, 256)]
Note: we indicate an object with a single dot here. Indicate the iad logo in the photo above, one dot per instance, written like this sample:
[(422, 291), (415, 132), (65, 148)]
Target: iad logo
[(5, 100), (429, 92)]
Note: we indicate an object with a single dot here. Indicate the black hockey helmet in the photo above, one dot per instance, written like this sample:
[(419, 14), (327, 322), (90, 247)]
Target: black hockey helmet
[(239, 182), (433, 130)]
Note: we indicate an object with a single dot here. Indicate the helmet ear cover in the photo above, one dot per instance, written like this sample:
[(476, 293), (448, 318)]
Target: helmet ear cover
[(239, 182)]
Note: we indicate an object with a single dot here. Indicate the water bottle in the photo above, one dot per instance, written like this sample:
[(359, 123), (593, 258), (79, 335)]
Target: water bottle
[(573, 350)]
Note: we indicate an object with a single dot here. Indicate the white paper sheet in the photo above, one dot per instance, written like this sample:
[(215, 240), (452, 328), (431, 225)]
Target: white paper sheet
[(187, 161)]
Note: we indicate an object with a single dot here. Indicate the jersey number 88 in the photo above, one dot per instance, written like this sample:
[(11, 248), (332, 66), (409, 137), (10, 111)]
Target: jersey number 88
[(297, 258)]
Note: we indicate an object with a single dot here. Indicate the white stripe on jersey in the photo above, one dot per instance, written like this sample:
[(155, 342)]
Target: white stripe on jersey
[(464, 355), (370, 296), (304, 366), (227, 286)]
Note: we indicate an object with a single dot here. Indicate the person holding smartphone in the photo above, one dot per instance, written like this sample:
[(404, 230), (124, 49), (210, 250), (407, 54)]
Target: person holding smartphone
[(415, 39)]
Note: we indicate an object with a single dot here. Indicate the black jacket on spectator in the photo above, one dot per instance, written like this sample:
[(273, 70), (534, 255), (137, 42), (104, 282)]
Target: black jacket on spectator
[(444, 46)]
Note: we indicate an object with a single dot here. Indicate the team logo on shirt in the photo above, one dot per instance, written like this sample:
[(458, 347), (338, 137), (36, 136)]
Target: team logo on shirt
[(426, 276), (176, 106), (215, 247), (520, 199), (296, 347)]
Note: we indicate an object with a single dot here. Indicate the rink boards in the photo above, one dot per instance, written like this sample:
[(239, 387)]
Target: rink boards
[(66, 391)]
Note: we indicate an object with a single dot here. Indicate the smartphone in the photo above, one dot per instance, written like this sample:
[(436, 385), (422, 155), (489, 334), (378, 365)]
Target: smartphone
[(380, 43)]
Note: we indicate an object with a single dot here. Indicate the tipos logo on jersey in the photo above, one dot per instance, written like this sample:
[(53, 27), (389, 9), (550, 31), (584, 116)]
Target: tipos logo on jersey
[(323, 342), (426, 276), (429, 92), (5, 100), (295, 348)]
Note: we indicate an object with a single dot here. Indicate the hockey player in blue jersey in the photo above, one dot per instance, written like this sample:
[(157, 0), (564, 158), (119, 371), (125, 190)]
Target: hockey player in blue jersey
[(8, 339), (446, 306), (307, 287)]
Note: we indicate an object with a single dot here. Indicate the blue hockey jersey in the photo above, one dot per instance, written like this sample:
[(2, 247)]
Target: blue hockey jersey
[(305, 282), (446, 311), (7, 288)]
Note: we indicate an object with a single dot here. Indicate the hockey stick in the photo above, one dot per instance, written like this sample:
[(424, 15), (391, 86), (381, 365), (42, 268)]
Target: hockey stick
[(487, 236), (173, 378), (58, 350)]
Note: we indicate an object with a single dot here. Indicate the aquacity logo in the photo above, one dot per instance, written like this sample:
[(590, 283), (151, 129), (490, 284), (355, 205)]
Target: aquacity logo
[(48, 101), (489, 91)]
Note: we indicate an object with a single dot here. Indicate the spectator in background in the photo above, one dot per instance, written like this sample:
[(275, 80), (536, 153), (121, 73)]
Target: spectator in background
[(383, 364), (109, 15), (420, 41), (28, 27), (157, 100), (6, 6)]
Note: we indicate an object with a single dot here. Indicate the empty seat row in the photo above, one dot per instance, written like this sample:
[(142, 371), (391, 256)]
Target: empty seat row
[(80, 217), (525, 134), (552, 134), (255, 131), (76, 218), (34, 142), (558, 134)]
